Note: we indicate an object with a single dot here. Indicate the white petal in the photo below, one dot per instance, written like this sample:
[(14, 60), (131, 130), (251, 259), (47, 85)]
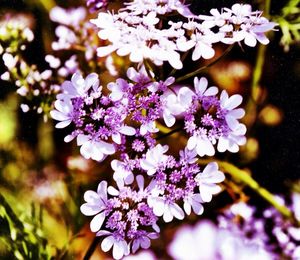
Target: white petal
[(63, 124), (116, 138), (107, 243), (59, 115), (187, 207), (167, 217), (169, 119), (177, 211), (97, 222), (200, 85), (105, 50), (90, 210), (211, 91), (127, 130), (118, 249), (158, 207), (140, 181), (204, 147), (102, 190), (105, 148), (223, 144), (233, 101), (210, 168), (91, 196), (197, 208), (192, 142), (69, 138), (250, 40), (112, 191)]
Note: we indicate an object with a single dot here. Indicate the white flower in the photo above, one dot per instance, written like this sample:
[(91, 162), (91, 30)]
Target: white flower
[(174, 105), (233, 140), (203, 45), (162, 207), (78, 86), (194, 243), (229, 104), (68, 17), (207, 241), (123, 129), (9, 60), (94, 149), (193, 201), (201, 87), (201, 143), (143, 241), (236, 135), (118, 90), (207, 181), (62, 113), (95, 205), (149, 127), (121, 172), (154, 158), (119, 245)]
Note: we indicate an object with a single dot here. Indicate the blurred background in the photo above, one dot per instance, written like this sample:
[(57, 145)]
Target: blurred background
[(43, 179)]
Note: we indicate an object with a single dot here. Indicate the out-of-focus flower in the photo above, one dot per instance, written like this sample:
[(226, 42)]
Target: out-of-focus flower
[(206, 241)]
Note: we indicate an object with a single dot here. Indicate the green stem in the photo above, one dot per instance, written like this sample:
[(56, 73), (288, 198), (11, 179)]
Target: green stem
[(260, 57), (194, 73), (10, 213)]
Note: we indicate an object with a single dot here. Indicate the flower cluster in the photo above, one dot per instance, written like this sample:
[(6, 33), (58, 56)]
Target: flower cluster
[(139, 30), (124, 217), (124, 121), (172, 183), (98, 122), (206, 241), (269, 229), (99, 119)]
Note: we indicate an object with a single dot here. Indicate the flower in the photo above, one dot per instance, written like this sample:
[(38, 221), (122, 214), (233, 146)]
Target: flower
[(162, 207), (129, 222), (122, 172), (63, 113), (93, 148), (193, 201), (79, 87), (119, 245), (95, 205), (206, 241), (174, 105), (154, 157), (207, 180), (201, 87)]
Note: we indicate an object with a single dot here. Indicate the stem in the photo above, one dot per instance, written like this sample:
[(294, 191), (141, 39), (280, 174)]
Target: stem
[(149, 69), (260, 57), (92, 248), (194, 73), (244, 177), (11, 213)]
